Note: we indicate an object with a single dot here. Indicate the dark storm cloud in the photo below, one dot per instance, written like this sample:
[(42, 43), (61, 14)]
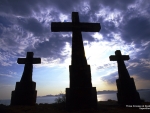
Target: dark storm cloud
[(33, 25), (108, 27), (136, 29), (110, 78), (135, 26), (141, 69), (18, 7), (26, 7), (86, 36), (145, 54), (0, 31), (4, 21), (112, 4), (53, 47), (65, 6)]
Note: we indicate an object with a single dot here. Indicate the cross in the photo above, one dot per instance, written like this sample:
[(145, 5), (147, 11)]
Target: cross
[(122, 71), (78, 55), (118, 56), (28, 61)]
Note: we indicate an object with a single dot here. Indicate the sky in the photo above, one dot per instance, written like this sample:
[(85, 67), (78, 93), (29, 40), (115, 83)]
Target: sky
[(25, 26)]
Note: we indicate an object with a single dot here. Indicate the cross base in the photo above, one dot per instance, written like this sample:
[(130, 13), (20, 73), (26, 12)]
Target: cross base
[(24, 94), (127, 94), (81, 98)]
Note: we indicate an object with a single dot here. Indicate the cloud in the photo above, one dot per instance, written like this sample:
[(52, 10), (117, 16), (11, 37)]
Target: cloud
[(105, 66), (111, 78), (16, 7), (115, 4), (32, 25), (28, 7), (4, 21), (12, 73), (65, 6), (53, 47), (136, 30), (140, 68), (6, 59), (7, 75)]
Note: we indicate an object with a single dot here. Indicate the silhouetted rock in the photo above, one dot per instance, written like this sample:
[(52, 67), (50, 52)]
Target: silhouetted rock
[(25, 93), (127, 94), (81, 94)]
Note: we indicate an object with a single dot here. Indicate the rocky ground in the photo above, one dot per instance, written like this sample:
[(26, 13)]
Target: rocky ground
[(103, 107)]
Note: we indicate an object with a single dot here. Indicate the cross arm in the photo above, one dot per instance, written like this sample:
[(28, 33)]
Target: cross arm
[(115, 58), (90, 27), (34, 60), (59, 26), (21, 60), (125, 57), (65, 27), (112, 58)]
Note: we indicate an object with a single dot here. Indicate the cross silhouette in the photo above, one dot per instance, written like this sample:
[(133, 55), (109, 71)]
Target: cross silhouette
[(28, 61), (122, 71)]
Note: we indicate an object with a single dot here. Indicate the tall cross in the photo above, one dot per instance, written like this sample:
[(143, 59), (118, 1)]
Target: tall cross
[(122, 71), (28, 61), (78, 55)]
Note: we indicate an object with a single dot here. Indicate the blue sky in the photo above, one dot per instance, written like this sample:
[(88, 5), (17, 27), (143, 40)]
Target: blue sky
[(26, 26)]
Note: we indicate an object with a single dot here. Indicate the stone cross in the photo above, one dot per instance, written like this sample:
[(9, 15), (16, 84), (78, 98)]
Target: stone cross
[(122, 71), (78, 55), (81, 94), (28, 61)]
